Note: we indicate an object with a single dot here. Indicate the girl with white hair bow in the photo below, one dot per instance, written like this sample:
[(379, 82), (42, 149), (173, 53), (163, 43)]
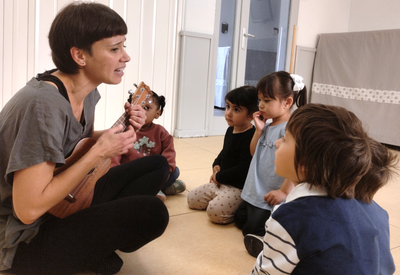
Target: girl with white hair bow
[(277, 93)]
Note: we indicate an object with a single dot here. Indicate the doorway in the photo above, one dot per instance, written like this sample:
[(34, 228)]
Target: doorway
[(252, 42)]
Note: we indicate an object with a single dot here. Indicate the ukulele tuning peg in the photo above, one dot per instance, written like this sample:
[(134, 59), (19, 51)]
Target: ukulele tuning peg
[(134, 84), (130, 92)]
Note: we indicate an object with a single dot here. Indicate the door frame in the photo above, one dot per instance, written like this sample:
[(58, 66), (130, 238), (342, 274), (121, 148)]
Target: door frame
[(216, 125)]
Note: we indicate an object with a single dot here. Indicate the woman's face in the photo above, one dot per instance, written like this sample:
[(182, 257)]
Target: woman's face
[(107, 62)]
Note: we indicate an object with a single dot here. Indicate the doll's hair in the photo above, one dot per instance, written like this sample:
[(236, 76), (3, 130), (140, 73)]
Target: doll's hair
[(80, 24), (332, 149), (281, 85), (159, 101), (382, 169), (245, 96)]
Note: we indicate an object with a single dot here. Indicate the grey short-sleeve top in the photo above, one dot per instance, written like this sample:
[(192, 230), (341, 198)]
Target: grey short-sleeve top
[(36, 125)]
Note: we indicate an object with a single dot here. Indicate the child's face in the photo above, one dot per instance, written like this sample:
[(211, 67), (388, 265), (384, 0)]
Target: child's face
[(237, 116), (284, 158), (152, 112), (271, 108)]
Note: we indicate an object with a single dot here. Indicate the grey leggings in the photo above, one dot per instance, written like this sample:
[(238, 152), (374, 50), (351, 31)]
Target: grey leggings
[(124, 215)]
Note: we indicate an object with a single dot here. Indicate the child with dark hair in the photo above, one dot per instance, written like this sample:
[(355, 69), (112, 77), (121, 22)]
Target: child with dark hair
[(154, 139), (277, 93), (322, 228), (383, 163), (221, 196)]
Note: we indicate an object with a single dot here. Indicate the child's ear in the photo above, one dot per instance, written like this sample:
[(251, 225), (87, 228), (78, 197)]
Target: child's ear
[(158, 114), (288, 102)]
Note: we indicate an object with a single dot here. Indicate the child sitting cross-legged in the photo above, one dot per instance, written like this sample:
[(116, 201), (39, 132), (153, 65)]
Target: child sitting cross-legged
[(324, 228), (154, 139), (221, 196)]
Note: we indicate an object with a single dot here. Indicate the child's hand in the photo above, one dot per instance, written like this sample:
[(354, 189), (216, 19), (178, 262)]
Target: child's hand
[(216, 169), (213, 179), (259, 120), (275, 197)]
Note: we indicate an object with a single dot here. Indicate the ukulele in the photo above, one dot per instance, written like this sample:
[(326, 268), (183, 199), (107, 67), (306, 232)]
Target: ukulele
[(81, 197)]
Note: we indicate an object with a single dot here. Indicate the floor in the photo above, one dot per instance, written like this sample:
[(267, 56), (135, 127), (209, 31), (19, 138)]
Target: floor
[(192, 245)]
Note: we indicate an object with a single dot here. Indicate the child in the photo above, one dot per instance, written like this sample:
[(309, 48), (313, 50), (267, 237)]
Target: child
[(277, 92), (221, 196), (322, 229), (154, 139), (377, 176)]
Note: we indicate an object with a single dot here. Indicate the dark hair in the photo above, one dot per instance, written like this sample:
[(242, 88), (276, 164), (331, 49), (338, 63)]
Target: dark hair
[(383, 165), (80, 24), (332, 148), (245, 96), (280, 85), (159, 101)]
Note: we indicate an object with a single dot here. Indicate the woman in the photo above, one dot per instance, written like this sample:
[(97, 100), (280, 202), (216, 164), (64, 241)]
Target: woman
[(40, 126)]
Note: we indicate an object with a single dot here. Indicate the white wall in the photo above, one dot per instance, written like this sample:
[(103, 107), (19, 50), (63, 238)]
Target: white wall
[(199, 16), (153, 40), (370, 15), (321, 16), (153, 27)]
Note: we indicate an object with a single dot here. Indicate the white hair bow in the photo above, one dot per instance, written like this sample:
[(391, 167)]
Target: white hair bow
[(298, 82)]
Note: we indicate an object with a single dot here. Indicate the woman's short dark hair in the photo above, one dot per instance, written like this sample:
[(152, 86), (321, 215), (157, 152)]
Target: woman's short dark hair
[(80, 24), (332, 148), (245, 96)]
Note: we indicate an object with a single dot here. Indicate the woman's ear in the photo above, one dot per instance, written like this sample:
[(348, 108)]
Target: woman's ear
[(78, 56)]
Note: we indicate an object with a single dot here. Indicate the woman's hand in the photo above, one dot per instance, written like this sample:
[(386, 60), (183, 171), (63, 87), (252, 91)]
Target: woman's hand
[(114, 142), (137, 116)]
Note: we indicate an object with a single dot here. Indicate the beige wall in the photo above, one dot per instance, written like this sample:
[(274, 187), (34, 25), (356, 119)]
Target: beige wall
[(369, 15), (321, 16)]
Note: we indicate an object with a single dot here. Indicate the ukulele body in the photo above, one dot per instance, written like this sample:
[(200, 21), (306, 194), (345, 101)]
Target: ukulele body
[(81, 197)]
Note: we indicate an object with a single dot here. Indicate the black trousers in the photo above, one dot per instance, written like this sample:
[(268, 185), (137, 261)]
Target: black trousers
[(251, 219), (125, 215)]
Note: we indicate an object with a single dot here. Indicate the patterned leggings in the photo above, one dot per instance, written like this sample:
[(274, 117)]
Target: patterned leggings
[(220, 203)]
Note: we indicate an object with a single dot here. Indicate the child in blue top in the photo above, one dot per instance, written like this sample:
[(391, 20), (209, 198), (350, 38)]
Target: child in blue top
[(277, 93), (221, 196), (322, 229)]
